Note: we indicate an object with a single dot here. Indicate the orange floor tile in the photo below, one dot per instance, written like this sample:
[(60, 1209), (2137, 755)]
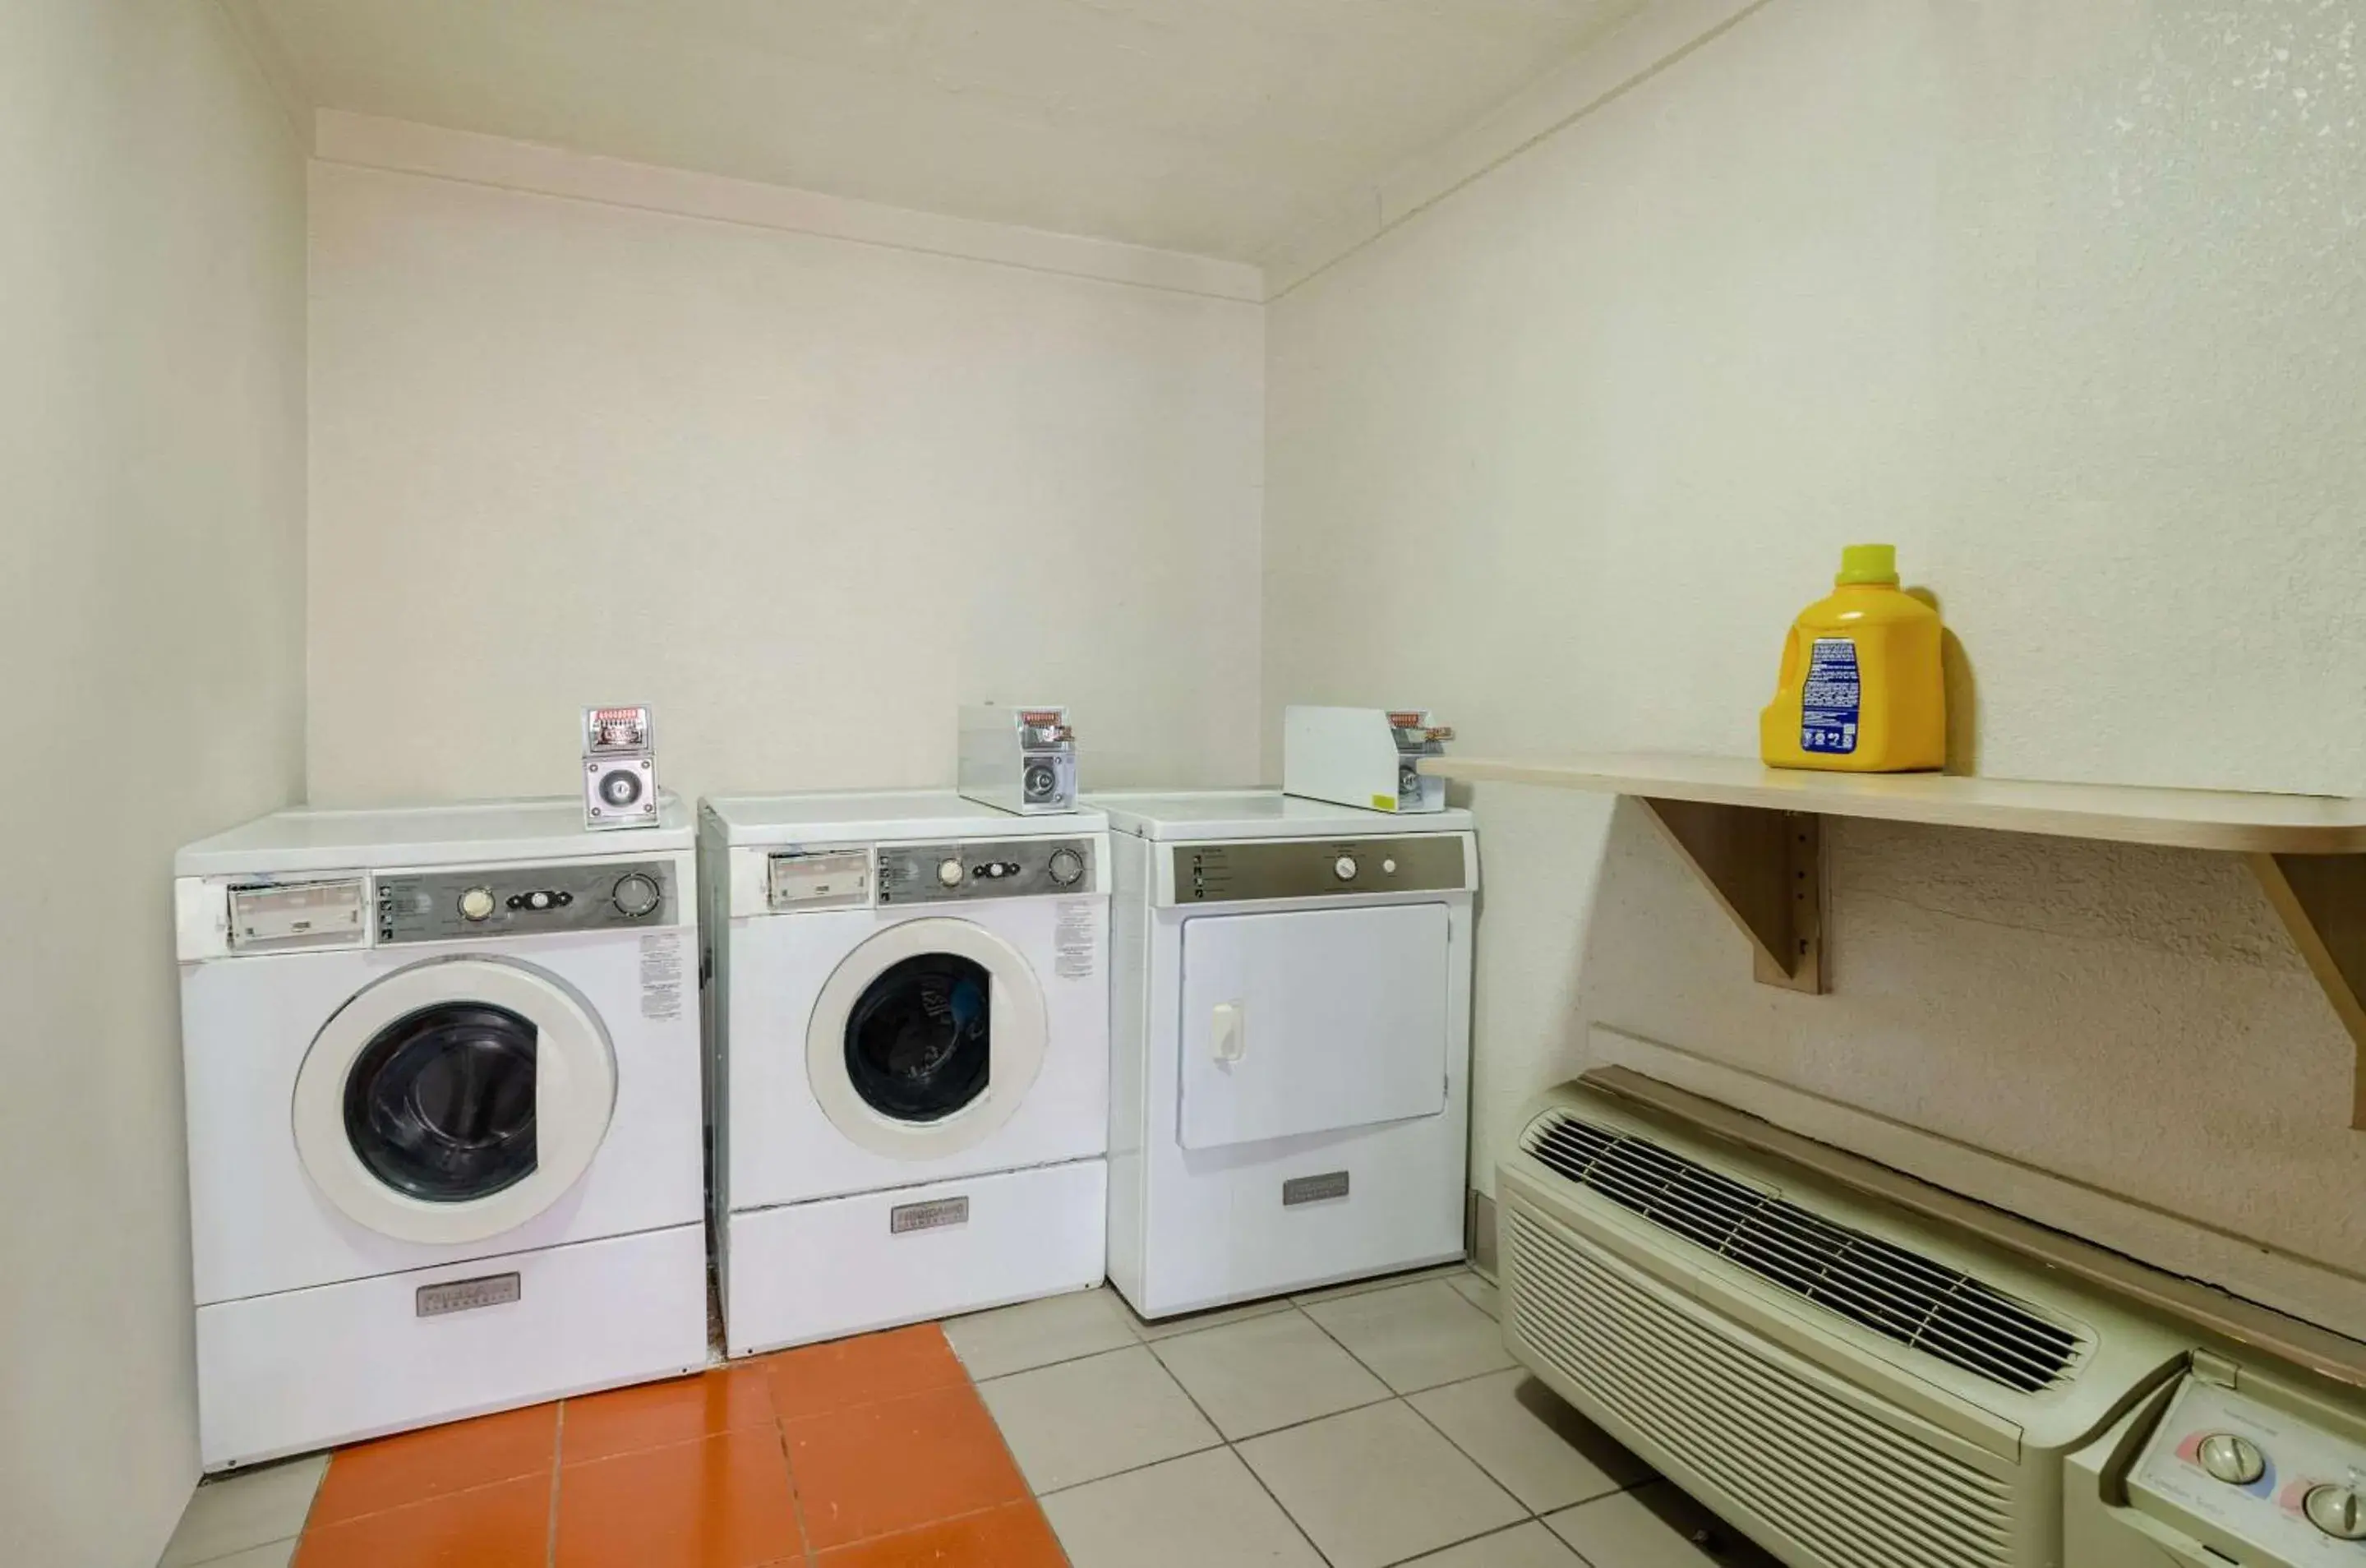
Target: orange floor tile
[(372, 1477), (818, 1380), (722, 1501), (679, 1410), (880, 1469), (873, 1453), (505, 1525)]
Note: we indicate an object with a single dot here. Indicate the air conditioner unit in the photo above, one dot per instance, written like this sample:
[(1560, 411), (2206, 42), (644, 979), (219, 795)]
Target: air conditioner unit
[(1850, 1384)]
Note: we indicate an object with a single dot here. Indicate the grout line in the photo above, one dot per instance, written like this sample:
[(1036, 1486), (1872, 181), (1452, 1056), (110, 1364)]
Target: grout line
[(1353, 1288), (1349, 1353), (1243, 1460), (557, 1467), (1476, 1463), (796, 1493), (1062, 1361), (1136, 1469), (1233, 1448), (1471, 1458), (1484, 1535)]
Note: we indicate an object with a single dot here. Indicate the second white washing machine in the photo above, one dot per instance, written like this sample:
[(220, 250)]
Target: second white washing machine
[(907, 1017), (1291, 1044)]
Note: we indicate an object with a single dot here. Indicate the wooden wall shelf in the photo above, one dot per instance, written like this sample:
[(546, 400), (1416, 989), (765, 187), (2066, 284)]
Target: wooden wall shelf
[(1753, 835)]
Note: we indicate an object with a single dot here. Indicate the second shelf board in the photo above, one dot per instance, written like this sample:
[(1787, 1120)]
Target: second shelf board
[(2240, 821)]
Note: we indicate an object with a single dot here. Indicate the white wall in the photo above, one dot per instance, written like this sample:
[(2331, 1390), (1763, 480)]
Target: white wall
[(2063, 300), (803, 494), (152, 445)]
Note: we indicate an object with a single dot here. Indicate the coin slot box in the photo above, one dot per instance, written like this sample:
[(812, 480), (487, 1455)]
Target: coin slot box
[(312, 914)]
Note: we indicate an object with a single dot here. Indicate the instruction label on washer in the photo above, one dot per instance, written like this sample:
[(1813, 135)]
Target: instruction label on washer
[(1076, 940), (661, 976)]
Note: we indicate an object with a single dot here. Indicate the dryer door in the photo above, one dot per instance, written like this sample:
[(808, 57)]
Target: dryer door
[(1311, 1020), (926, 1039), (454, 1101)]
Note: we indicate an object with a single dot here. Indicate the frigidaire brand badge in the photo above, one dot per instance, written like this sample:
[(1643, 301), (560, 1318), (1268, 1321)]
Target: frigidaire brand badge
[(927, 1216), (467, 1295), (1313, 1189)]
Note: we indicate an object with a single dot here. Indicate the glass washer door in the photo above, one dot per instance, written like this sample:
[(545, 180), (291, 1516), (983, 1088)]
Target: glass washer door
[(440, 1103), (926, 1039), (454, 1100), (919, 1042)]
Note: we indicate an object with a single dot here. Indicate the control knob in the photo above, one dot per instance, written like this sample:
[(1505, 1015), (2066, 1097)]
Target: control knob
[(1066, 867), (950, 872), (2233, 1460), (637, 894), (476, 904), (1344, 868), (2337, 1510)]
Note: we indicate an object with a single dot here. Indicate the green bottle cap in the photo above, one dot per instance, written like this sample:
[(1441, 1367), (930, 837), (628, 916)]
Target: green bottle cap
[(1868, 563)]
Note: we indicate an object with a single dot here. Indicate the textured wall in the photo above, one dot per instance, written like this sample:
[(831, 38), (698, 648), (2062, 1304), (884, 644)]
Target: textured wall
[(803, 495), (2063, 300), (151, 568)]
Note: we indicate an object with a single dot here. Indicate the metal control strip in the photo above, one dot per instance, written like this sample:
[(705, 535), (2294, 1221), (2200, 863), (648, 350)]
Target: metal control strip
[(445, 906), (1000, 868), (1319, 868)]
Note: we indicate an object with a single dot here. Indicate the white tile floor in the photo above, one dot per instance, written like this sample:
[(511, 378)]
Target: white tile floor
[(251, 1524), (1358, 1427)]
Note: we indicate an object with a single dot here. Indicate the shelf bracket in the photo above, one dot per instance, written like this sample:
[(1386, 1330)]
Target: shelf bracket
[(2322, 901), (1765, 869)]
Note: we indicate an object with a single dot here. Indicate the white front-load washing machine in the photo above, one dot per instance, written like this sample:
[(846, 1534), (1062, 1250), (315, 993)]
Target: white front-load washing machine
[(1290, 1044), (445, 1116), (908, 1034)]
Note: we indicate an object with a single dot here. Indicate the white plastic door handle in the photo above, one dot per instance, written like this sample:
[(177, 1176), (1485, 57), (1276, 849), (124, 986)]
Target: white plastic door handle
[(1226, 1038)]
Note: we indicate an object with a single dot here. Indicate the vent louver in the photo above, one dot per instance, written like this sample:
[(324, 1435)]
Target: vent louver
[(1899, 1294)]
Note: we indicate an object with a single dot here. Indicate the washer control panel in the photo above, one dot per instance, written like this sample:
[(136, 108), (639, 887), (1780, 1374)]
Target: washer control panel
[(2258, 1474), (1005, 868), (510, 900)]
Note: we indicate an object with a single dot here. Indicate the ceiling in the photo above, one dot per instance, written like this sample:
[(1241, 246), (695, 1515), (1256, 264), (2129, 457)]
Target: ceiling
[(1215, 126)]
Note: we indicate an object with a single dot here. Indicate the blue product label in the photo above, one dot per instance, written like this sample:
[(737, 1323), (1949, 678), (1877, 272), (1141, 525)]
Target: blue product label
[(1828, 707)]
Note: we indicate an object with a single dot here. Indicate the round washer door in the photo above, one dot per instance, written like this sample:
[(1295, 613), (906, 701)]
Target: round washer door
[(926, 1039), (454, 1101)]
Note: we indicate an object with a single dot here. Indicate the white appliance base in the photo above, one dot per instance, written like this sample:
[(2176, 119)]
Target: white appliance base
[(1218, 1226), (302, 1369), (802, 1273)]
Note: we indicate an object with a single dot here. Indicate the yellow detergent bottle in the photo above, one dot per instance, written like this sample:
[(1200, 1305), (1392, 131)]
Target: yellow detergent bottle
[(1861, 690)]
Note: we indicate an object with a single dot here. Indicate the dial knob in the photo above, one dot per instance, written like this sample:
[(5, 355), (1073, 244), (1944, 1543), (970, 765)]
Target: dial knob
[(950, 872), (2233, 1460), (2337, 1510), (636, 895), (476, 904), (1344, 868), (1066, 867)]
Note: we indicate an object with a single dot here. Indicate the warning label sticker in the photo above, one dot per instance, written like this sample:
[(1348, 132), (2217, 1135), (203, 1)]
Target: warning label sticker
[(661, 976), (1827, 719), (1076, 940)]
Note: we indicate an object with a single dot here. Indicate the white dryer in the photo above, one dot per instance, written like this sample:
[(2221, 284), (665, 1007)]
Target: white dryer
[(908, 1027), (444, 1105), (1290, 1044)]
